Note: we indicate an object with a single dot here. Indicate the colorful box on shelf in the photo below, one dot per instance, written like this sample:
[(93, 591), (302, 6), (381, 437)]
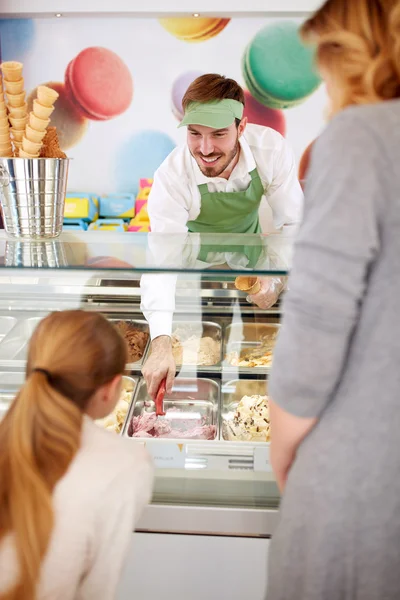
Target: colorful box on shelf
[(141, 223), (108, 225), (81, 206), (143, 193), (72, 225), (117, 205)]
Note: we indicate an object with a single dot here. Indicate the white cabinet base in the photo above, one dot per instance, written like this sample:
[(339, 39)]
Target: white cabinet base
[(188, 567)]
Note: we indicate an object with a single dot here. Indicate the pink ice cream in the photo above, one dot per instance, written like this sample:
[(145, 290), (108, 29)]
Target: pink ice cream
[(148, 425)]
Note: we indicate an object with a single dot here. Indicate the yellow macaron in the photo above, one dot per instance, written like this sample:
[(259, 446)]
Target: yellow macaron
[(192, 29)]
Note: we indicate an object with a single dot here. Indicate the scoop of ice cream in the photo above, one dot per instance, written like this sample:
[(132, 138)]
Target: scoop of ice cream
[(51, 147), (116, 419), (260, 356), (149, 425), (251, 421), (136, 340), (195, 350)]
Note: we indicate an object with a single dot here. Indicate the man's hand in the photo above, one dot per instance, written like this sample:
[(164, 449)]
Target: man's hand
[(271, 288), (160, 365)]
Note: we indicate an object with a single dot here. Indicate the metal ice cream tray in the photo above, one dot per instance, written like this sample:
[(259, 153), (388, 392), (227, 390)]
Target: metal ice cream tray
[(192, 399), (240, 337), (142, 326)]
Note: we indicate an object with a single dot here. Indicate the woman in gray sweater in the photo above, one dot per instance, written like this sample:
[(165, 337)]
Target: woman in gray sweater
[(336, 378)]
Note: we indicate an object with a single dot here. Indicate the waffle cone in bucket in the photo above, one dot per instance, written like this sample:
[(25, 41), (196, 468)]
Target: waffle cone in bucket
[(17, 134), (37, 123), (31, 147), (33, 194), (24, 154), (4, 138), (12, 70), (33, 135), (250, 285), (14, 87), (6, 152), (43, 112), (46, 96), (18, 123), (16, 100), (4, 126), (18, 112)]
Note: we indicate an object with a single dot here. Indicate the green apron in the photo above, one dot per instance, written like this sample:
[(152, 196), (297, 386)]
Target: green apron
[(230, 212)]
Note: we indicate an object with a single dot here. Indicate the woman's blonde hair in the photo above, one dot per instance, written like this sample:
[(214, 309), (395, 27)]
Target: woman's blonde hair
[(71, 355), (358, 47)]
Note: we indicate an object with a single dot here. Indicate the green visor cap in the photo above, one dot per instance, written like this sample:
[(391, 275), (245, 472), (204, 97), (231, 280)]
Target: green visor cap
[(217, 115)]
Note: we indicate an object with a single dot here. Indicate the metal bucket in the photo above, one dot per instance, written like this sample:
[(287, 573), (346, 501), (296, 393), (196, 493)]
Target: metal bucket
[(33, 196)]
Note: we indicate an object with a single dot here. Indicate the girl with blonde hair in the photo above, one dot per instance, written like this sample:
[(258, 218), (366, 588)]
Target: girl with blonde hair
[(335, 383), (70, 492)]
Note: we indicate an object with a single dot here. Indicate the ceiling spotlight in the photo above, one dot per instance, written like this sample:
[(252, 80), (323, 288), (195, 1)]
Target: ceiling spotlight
[(196, 14), (58, 15)]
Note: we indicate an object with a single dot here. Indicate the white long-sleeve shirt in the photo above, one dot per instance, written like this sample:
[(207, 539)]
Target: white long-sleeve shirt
[(175, 199), (96, 505)]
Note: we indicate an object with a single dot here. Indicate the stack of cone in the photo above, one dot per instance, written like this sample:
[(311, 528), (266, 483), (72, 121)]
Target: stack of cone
[(39, 119), (16, 105), (5, 138)]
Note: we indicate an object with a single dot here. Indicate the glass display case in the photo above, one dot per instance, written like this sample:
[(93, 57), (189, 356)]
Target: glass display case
[(211, 449)]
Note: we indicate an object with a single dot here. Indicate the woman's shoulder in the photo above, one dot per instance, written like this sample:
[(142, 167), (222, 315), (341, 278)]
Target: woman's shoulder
[(375, 123)]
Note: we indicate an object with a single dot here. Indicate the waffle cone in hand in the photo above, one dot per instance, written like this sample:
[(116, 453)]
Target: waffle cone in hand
[(251, 285)]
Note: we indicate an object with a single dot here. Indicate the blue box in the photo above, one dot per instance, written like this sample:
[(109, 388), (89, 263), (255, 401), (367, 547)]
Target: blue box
[(70, 224), (109, 225), (120, 206)]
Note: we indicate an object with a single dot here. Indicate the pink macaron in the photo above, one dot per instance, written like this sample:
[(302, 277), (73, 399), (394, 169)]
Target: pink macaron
[(263, 115), (99, 84)]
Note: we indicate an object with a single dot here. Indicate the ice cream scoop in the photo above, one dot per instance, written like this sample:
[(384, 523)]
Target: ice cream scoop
[(160, 399), (250, 285)]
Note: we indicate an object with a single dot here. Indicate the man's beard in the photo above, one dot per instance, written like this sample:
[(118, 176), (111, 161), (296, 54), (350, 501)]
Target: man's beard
[(222, 165)]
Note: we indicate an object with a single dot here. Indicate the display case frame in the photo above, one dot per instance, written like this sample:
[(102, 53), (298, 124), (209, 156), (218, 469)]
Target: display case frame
[(214, 487)]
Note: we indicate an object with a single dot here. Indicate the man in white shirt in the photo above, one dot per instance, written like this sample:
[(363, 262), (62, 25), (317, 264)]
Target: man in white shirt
[(216, 183)]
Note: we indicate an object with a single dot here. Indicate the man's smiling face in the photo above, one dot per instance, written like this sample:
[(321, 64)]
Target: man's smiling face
[(214, 150)]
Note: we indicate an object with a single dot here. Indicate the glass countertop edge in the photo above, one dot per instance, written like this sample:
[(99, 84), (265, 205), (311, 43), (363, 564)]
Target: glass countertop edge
[(149, 253), (6, 271)]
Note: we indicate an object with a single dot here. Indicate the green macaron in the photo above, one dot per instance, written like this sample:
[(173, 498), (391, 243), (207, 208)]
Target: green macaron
[(278, 68)]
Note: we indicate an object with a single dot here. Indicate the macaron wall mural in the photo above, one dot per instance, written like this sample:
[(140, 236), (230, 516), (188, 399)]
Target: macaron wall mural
[(121, 82)]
